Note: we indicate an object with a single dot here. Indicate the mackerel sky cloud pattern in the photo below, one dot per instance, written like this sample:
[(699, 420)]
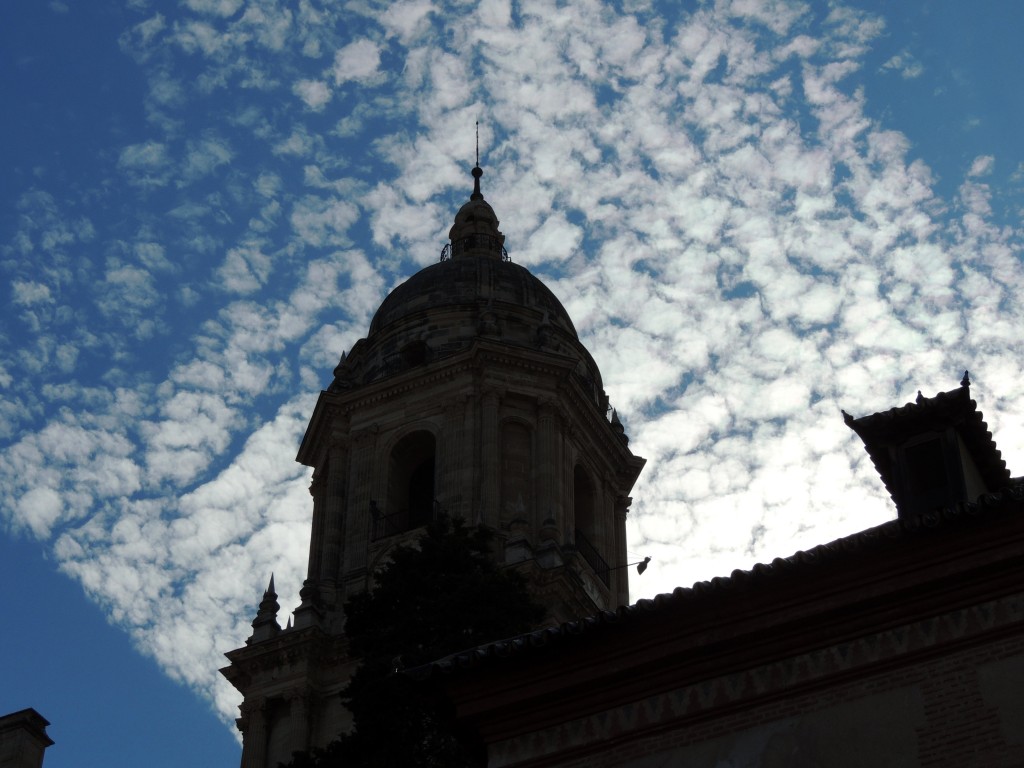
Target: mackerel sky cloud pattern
[(747, 233)]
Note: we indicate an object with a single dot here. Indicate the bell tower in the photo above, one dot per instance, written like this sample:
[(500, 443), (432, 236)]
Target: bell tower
[(471, 394)]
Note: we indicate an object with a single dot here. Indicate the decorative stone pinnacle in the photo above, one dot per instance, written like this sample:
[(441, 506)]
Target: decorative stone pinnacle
[(618, 429), (265, 624)]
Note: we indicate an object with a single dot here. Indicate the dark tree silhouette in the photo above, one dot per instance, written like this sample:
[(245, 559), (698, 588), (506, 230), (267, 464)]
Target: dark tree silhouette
[(444, 595)]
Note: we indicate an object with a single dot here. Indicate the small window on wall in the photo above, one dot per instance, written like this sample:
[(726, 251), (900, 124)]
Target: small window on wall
[(410, 501), (926, 468), (930, 477), (415, 353), (419, 494), (583, 501)]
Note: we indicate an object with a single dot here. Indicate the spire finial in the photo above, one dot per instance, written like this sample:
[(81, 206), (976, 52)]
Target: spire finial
[(966, 380), (265, 624), (477, 170)]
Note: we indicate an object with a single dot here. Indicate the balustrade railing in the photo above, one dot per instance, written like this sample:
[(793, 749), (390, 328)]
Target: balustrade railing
[(383, 526), (592, 556), (471, 242)]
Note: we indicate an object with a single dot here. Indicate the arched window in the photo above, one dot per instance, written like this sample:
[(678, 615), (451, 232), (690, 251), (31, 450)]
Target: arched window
[(516, 472), (410, 502), (583, 501), (588, 534)]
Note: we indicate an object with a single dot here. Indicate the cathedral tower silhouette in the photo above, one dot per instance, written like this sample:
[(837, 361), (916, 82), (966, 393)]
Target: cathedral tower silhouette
[(473, 395)]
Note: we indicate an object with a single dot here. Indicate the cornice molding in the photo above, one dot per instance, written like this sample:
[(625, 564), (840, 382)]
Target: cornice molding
[(284, 649)]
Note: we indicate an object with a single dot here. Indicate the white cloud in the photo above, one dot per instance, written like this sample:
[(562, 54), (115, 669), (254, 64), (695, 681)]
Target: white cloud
[(194, 427), (128, 296), (556, 239), (322, 222), (39, 509), (145, 164), (200, 37), (138, 40), (411, 19), (203, 157), (28, 292), (152, 255), (777, 15), (202, 555), (314, 93), (906, 65), (215, 7), (358, 61), (299, 144), (982, 166), (270, 26), (245, 269)]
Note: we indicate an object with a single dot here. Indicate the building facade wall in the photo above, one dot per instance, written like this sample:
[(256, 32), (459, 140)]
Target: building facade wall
[(945, 691), (23, 739)]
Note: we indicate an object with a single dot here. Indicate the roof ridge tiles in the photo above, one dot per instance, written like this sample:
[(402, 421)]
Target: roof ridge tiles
[(1009, 500)]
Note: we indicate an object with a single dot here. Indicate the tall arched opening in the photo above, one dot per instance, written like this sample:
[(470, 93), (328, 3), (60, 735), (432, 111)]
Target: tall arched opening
[(588, 534), (411, 478)]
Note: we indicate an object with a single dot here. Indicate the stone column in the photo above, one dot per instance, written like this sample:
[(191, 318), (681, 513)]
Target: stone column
[(309, 611), (334, 513), (449, 462), (299, 715), (547, 447), (469, 458), (253, 725), (490, 456), (364, 447), (620, 587), (317, 489), (568, 483)]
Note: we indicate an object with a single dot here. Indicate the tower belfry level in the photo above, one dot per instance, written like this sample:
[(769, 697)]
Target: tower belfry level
[(471, 394)]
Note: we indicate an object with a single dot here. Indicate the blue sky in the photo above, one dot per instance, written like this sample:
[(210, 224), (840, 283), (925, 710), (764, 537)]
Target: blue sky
[(757, 213)]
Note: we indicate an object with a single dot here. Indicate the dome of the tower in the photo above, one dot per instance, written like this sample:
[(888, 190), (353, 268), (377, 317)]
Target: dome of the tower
[(475, 212), (475, 280), (475, 293), (473, 287)]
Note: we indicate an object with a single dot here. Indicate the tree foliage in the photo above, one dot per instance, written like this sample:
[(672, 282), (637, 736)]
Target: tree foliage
[(443, 595)]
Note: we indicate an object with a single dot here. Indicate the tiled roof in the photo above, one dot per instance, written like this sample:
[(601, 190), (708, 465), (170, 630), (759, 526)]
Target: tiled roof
[(947, 409), (889, 535)]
